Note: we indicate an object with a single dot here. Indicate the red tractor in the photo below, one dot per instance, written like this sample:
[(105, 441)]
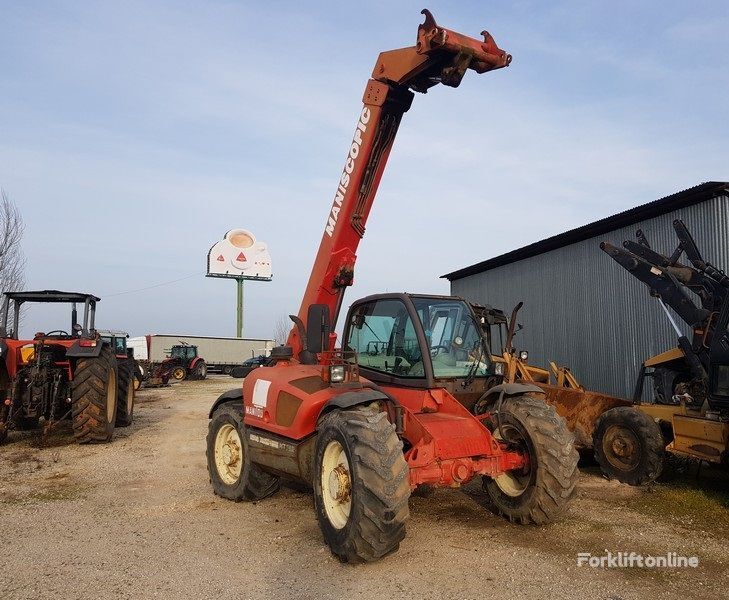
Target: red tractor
[(412, 398), (58, 374), (182, 363)]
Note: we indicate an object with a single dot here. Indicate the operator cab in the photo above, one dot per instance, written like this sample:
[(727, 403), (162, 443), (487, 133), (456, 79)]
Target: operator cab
[(418, 340), (117, 340), (184, 352)]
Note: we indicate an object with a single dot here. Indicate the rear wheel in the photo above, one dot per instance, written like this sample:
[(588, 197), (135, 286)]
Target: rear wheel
[(125, 398), (361, 486), (538, 493), (93, 396), (232, 474), (629, 445), (200, 371)]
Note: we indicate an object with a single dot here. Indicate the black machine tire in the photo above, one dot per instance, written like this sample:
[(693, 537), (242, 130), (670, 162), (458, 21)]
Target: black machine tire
[(227, 369), (536, 495), (126, 395), (240, 372), (200, 371), (378, 488), (629, 445), (94, 386), (250, 482)]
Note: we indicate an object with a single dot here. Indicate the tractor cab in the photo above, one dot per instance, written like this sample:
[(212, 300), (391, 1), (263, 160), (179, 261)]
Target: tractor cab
[(184, 352), (117, 340)]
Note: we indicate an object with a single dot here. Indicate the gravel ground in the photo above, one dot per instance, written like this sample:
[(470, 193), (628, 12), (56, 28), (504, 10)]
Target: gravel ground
[(137, 519)]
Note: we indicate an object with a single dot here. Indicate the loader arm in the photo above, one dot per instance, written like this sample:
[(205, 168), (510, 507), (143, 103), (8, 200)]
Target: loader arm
[(439, 56)]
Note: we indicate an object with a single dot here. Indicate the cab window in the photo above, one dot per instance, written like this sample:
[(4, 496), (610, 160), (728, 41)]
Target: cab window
[(383, 337)]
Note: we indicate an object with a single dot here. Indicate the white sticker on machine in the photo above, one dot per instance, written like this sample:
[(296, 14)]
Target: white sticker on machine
[(260, 393)]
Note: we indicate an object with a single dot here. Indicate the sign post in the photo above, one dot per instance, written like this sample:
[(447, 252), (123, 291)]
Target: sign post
[(239, 256)]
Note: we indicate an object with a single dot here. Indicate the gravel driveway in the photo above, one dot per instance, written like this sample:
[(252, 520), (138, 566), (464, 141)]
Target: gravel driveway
[(137, 519)]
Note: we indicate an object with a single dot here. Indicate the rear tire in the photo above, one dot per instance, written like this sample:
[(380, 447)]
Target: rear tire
[(629, 445), (125, 398), (232, 474), (540, 493), (200, 371), (93, 396), (361, 486)]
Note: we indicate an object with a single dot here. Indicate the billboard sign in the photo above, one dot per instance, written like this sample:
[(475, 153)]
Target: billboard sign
[(240, 256)]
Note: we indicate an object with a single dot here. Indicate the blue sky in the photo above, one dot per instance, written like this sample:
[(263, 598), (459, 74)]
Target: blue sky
[(133, 135)]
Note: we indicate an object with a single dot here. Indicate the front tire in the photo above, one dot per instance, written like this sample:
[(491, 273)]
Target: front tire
[(629, 445), (361, 485), (232, 474), (179, 373), (93, 397), (539, 493), (125, 399)]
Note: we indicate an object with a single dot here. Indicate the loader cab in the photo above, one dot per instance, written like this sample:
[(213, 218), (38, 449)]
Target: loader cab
[(417, 341)]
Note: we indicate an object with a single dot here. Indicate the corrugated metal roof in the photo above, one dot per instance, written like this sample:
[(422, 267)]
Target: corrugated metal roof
[(694, 195)]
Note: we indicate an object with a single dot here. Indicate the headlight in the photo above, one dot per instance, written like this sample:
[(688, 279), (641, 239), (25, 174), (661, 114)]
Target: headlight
[(523, 355), (336, 373), (499, 368)]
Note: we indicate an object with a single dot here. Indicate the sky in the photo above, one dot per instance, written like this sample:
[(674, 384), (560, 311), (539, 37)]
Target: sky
[(133, 135)]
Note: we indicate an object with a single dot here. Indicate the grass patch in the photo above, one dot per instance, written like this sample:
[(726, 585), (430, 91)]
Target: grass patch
[(47, 494), (703, 503)]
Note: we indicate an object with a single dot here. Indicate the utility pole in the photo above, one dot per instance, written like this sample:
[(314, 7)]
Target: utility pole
[(239, 325)]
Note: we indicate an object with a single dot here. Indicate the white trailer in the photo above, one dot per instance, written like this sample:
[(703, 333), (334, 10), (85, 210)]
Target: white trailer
[(220, 353)]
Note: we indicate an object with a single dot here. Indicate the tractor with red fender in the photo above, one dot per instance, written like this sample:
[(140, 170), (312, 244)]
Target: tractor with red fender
[(57, 375), (412, 397)]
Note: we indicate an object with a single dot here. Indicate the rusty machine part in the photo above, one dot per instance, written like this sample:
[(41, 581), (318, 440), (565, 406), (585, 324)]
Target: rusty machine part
[(389, 412), (579, 407), (691, 381)]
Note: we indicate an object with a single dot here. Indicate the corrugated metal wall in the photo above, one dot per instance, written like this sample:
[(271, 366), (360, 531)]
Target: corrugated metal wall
[(583, 310)]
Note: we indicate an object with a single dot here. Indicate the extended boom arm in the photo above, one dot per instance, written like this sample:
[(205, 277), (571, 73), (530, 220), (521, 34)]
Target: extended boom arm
[(440, 56)]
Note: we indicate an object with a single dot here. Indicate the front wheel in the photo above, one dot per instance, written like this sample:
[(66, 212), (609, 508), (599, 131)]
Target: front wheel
[(361, 486), (629, 445), (179, 373), (538, 493), (232, 474)]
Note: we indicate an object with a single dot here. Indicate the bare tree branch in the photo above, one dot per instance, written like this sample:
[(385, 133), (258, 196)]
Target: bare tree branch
[(281, 329), (12, 259)]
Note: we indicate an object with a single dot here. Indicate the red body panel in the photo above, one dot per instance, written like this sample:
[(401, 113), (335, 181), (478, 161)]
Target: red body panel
[(447, 444), (13, 358)]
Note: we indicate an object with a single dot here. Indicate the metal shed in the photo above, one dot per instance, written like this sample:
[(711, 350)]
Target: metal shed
[(583, 310)]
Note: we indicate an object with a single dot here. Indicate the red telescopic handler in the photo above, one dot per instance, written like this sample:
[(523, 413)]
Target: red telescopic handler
[(411, 398)]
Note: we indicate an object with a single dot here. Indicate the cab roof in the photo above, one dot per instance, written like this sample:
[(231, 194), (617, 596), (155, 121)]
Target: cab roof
[(51, 296)]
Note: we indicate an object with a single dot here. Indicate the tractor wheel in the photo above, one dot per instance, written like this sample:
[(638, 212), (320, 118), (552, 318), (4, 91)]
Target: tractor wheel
[(361, 486), (125, 398), (201, 370), (231, 471), (93, 396), (629, 445), (179, 373), (538, 493)]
